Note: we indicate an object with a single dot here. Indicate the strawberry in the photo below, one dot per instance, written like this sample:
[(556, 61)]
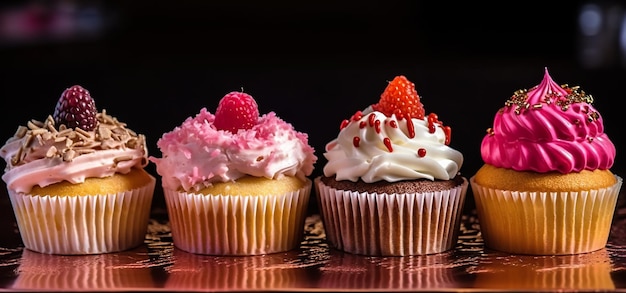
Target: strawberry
[(400, 98), (236, 110), (76, 108)]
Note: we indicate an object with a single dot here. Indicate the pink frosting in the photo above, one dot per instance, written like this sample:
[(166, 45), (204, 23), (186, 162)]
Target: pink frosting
[(196, 154), (548, 128)]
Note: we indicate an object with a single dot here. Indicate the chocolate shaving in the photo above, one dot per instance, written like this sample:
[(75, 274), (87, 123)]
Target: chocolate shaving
[(109, 134)]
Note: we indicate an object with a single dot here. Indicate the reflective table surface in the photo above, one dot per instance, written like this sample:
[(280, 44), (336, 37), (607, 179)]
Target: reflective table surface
[(159, 266)]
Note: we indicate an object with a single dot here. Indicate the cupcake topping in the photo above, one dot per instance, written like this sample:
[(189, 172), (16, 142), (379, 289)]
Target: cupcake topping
[(76, 109), (400, 98), (548, 92), (43, 153), (236, 110), (375, 144), (548, 128), (226, 146)]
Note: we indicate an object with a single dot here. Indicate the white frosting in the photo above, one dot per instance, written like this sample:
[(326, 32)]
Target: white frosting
[(373, 161)]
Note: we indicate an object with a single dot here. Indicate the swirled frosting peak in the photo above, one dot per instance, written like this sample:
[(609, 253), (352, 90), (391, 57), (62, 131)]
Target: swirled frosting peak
[(393, 141), (548, 128), (199, 153)]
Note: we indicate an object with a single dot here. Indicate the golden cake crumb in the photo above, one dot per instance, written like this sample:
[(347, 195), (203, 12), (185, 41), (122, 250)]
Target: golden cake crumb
[(507, 179), (250, 185), (118, 182)]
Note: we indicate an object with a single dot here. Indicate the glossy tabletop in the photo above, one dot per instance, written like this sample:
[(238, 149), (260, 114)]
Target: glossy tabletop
[(159, 266)]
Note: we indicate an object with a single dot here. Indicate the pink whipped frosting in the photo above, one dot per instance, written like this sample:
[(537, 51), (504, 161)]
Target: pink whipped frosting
[(42, 154), (548, 128), (196, 154)]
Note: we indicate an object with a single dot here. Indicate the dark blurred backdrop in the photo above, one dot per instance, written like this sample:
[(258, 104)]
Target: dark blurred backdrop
[(154, 63)]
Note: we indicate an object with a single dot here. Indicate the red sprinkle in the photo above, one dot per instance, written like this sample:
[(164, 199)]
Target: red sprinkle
[(393, 124), (387, 142), (362, 125), (410, 127), (421, 152), (371, 119), (432, 120), (448, 132), (343, 125), (377, 126), (356, 141)]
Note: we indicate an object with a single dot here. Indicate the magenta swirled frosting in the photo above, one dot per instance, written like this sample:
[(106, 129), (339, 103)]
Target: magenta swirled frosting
[(548, 128)]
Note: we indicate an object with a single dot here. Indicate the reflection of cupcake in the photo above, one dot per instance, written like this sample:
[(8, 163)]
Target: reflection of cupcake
[(391, 186), (546, 187), (420, 272), (235, 182), (190, 272), (76, 180), (575, 272), (42, 272)]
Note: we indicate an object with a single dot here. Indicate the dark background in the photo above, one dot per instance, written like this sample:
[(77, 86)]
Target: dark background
[(154, 63)]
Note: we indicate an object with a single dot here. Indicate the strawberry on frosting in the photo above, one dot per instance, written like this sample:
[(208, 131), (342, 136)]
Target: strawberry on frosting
[(400, 98), (234, 142), (393, 140), (548, 128)]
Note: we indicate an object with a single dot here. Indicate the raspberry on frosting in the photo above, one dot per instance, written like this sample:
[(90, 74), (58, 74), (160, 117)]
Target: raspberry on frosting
[(205, 149), (76, 108), (236, 110), (73, 144)]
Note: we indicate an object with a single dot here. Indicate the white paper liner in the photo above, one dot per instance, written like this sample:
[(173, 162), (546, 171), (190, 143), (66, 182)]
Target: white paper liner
[(237, 225), (391, 224), (545, 223), (85, 224)]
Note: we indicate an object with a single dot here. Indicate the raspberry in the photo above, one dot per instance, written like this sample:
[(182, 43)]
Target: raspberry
[(400, 98), (236, 110), (76, 108)]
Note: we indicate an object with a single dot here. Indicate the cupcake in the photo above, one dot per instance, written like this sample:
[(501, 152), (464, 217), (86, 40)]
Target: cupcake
[(76, 180), (391, 185), (235, 182), (545, 187)]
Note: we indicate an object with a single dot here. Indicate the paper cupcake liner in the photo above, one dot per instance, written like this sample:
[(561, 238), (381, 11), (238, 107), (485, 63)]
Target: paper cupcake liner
[(237, 225), (391, 224), (83, 224), (545, 223), (575, 272), (38, 272)]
